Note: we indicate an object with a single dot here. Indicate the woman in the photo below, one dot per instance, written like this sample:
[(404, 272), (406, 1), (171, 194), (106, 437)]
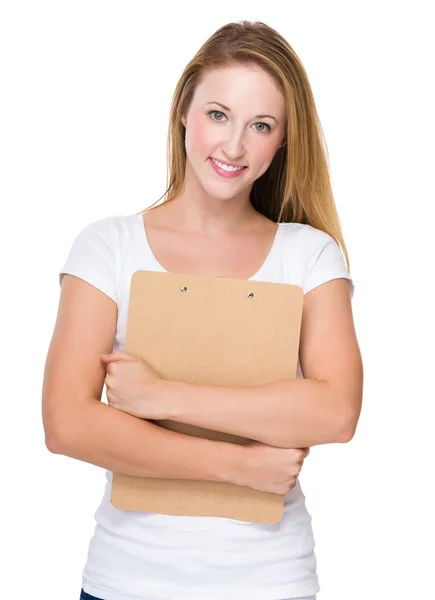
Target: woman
[(249, 197)]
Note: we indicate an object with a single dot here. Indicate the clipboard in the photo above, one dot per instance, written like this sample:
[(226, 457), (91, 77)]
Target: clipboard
[(211, 331)]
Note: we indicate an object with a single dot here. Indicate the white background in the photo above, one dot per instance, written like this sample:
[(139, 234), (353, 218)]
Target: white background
[(85, 95)]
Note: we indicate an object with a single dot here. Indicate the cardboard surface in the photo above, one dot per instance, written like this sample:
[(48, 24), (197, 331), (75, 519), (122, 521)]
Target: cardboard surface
[(212, 333)]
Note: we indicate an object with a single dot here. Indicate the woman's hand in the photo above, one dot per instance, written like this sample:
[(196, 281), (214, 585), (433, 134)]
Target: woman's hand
[(133, 386), (269, 468)]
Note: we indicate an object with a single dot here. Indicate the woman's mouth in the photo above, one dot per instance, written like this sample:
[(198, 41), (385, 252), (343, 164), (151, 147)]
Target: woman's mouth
[(228, 172)]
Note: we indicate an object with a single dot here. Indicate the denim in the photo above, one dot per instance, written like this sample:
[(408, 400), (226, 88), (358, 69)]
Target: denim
[(85, 596)]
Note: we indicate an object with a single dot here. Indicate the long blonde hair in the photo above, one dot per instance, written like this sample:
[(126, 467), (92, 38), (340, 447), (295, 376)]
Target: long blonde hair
[(296, 187)]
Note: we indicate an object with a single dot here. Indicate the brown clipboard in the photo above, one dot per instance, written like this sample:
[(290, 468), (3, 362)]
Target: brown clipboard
[(211, 331)]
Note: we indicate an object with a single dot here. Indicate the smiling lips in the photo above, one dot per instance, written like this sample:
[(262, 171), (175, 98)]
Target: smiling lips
[(228, 172)]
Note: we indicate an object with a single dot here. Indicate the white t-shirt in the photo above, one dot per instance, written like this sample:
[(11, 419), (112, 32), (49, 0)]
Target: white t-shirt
[(141, 556)]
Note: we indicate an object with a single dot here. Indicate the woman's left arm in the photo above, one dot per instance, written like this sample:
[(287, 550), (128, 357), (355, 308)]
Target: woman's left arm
[(322, 408)]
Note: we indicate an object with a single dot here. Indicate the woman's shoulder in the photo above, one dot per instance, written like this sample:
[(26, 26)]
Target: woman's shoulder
[(306, 233), (315, 255), (112, 223), (110, 232), (305, 238), (106, 236)]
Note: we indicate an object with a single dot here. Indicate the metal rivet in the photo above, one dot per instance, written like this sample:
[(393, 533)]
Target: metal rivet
[(250, 294), (183, 288)]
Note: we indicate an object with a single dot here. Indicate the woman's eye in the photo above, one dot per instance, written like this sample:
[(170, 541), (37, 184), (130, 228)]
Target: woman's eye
[(218, 112), (260, 123)]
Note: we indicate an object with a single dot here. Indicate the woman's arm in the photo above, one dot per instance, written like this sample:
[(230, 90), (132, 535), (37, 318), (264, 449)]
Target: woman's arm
[(114, 440), (78, 425), (320, 409)]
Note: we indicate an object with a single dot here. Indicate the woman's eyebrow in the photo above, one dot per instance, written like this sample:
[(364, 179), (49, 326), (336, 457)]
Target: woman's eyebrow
[(229, 109)]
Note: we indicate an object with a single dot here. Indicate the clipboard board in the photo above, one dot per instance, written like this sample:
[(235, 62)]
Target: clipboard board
[(211, 331)]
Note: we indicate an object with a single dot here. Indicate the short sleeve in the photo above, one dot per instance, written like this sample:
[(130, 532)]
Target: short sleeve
[(93, 257), (324, 260)]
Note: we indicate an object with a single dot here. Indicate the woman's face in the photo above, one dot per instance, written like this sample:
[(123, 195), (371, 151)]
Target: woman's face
[(234, 134)]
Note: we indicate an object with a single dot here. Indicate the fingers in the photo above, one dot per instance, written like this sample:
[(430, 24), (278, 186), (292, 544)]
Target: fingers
[(118, 355), (304, 452)]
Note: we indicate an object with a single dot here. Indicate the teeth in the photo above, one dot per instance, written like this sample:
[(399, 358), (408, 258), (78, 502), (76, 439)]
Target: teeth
[(226, 167)]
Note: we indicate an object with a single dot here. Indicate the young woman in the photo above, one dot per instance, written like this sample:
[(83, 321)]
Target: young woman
[(249, 197)]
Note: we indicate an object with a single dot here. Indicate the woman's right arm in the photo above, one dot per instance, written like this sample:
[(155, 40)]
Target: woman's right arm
[(79, 425)]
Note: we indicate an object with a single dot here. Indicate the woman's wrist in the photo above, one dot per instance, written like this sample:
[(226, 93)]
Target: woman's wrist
[(231, 459), (232, 462)]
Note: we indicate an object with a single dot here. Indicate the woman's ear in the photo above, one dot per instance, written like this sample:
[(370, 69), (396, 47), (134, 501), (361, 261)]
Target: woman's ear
[(183, 120)]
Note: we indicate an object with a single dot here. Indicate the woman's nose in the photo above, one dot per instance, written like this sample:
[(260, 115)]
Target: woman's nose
[(234, 147)]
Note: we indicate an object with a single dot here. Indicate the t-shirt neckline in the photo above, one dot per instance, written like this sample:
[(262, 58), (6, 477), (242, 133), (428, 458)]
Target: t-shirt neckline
[(144, 238)]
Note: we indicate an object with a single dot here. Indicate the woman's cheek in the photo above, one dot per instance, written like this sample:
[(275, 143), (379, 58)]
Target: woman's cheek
[(264, 154), (195, 137)]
